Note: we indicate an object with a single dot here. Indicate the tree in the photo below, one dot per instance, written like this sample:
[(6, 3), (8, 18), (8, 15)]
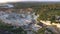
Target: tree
[(52, 19), (41, 31), (9, 28)]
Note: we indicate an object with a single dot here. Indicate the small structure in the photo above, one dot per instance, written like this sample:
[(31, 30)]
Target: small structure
[(57, 18), (4, 7)]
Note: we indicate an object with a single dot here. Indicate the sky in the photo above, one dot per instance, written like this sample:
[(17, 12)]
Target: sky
[(4, 1)]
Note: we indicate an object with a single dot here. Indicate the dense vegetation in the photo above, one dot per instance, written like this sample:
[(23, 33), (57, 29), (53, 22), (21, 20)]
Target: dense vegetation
[(48, 12), (10, 29), (45, 30)]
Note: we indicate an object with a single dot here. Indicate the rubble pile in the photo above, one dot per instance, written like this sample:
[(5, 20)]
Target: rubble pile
[(15, 19)]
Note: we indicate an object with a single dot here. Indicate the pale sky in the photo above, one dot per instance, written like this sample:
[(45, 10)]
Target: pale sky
[(4, 1)]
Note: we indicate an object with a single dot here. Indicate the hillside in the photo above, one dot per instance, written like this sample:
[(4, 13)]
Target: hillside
[(46, 10)]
